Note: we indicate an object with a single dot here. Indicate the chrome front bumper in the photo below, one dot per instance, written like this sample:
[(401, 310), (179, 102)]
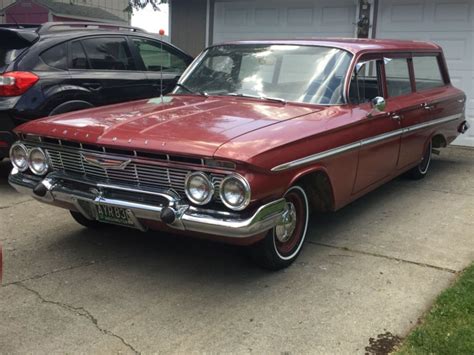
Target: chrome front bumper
[(78, 194)]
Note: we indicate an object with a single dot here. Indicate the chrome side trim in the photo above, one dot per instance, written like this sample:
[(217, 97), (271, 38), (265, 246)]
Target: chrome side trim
[(432, 123), (317, 156), (351, 146), (381, 137)]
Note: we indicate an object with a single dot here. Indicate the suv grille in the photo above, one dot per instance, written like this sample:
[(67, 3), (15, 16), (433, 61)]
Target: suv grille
[(136, 173)]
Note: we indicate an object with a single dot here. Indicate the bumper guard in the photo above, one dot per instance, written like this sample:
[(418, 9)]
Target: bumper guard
[(68, 191)]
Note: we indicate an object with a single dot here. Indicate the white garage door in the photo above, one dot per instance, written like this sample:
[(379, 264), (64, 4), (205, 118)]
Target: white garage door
[(448, 23), (282, 19)]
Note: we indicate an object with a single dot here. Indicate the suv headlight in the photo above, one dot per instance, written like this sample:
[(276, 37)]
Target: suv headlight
[(199, 188), (38, 162), (19, 156), (235, 192)]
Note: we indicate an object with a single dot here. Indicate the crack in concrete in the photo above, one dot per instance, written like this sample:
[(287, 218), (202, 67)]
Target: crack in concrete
[(82, 312), (15, 204), (36, 277), (393, 258)]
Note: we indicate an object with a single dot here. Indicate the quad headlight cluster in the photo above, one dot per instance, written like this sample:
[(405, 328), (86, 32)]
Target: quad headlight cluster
[(234, 190), (24, 159)]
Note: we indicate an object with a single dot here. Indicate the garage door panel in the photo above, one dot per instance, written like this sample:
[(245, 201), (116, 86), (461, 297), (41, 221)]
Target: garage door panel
[(300, 17), (458, 49), (410, 16), (453, 13), (283, 19), (401, 16)]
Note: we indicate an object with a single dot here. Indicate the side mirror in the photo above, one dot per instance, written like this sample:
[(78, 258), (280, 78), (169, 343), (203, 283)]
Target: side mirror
[(378, 105)]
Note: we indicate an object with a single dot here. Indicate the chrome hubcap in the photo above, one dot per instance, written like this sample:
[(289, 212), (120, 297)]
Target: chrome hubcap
[(287, 226)]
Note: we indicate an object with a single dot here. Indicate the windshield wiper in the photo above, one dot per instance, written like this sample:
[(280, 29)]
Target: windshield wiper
[(260, 97), (202, 93)]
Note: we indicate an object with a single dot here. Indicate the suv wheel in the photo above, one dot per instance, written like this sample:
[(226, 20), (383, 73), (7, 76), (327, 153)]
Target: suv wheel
[(70, 106)]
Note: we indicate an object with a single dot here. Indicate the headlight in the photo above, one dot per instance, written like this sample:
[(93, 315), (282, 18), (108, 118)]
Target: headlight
[(199, 189), (38, 162), (235, 192), (19, 156)]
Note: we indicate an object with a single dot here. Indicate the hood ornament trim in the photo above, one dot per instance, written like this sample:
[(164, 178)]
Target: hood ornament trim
[(105, 162)]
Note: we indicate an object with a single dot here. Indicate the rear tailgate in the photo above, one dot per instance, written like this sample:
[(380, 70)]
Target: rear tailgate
[(13, 42)]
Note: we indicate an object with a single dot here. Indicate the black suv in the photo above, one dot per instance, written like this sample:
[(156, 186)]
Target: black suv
[(61, 67)]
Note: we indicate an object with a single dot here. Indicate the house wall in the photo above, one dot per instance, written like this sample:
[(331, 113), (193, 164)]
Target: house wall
[(188, 25)]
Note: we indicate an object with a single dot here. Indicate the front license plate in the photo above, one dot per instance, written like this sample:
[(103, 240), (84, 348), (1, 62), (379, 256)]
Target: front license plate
[(115, 215)]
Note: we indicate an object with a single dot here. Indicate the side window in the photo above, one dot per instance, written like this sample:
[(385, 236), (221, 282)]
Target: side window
[(365, 83), (158, 57), (427, 73), (55, 57), (78, 56), (397, 76), (108, 53)]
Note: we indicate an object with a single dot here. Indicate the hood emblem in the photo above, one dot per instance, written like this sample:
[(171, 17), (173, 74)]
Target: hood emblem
[(105, 162)]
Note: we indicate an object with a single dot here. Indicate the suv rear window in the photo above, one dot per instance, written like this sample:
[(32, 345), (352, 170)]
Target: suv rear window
[(427, 73), (110, 53)]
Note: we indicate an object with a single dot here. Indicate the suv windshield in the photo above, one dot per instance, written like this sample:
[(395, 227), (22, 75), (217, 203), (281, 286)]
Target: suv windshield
[(295, 73)]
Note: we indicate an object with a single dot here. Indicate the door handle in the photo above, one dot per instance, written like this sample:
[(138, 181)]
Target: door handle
[(427, 106), (93, 86), (395, 117)]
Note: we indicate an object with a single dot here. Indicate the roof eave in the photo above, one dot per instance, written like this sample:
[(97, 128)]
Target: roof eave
[(88, 19)]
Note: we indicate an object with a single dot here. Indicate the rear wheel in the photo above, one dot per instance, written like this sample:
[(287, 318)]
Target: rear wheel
[(83, 221), (70, 106), (283, 243), (421, 170)]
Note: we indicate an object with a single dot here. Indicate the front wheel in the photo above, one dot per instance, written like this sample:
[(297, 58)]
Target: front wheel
[(421, 170), (283, 243), (83, 221)]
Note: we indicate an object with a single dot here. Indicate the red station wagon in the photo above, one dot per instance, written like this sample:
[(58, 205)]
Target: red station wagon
[(255, 136)]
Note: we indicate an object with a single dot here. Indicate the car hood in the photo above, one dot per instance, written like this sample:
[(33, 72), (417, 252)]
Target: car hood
[(191, 125)]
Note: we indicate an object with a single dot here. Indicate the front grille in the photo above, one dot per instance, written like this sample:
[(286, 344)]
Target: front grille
[(136, 174)]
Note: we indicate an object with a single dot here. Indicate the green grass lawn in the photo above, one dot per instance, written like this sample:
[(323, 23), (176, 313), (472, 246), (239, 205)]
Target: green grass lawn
[(448, 328)]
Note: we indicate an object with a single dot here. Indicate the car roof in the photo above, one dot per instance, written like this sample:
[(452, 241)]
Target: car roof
[(353, 45), (69, 34)]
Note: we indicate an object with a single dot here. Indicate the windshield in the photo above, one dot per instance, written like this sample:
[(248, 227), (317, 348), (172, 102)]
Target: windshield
[(307, 74)]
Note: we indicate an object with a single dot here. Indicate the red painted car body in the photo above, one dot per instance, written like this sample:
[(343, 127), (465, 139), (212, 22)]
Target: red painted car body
[(343, 150)]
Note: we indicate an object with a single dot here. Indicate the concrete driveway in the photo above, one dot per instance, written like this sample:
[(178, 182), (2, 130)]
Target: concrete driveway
[(373, 267)]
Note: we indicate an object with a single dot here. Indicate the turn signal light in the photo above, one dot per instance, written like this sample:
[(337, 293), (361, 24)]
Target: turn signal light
[(16, 83)]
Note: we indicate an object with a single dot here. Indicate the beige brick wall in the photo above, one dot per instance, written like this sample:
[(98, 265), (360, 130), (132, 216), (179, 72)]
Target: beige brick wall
[(115, 7)]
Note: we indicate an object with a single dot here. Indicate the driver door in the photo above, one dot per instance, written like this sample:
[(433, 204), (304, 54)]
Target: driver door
[(378, 130)]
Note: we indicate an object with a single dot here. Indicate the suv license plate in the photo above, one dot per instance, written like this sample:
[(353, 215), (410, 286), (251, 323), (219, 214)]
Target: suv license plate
[(115, 215)]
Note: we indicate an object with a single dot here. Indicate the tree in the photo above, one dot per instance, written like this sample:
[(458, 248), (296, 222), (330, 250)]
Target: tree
[(140, 4)]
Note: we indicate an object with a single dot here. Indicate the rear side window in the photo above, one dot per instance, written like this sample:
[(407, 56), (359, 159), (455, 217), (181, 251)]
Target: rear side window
[(427, 72), (397, 76), (78, 56), (55, 57), (158, 57), (108, 53)]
